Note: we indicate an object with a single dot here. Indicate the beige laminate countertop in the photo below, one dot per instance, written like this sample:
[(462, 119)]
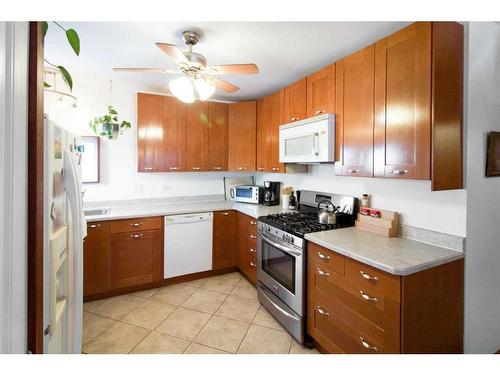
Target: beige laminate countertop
[(398, 256)]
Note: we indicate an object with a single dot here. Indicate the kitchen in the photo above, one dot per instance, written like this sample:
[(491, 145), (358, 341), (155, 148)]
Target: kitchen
[(230, 205)]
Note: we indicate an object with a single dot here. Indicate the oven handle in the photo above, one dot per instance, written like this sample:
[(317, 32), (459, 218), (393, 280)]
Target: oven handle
[(279, 246)]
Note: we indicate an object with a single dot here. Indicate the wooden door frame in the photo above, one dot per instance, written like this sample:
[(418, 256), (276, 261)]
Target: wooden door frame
[(35, 188)]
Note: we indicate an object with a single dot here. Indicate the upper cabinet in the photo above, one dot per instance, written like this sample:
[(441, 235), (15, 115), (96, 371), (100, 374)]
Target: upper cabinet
[(218, 127), (321, 91), (354, 114), (242, 136), (296, 101), (150, 133), (197, 130), (174, 134), (403, 103), (270, 115)]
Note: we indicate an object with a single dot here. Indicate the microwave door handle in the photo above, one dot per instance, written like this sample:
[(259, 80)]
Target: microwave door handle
[(315, 144), (281, 247)]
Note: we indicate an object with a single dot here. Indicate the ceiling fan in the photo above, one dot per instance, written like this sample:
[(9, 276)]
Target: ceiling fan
[(198, 81)]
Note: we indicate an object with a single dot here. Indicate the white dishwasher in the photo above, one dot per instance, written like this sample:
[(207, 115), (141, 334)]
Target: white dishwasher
[(187, 244)]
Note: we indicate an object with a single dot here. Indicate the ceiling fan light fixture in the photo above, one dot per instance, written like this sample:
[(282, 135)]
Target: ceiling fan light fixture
[(203, 88), (183, 89)]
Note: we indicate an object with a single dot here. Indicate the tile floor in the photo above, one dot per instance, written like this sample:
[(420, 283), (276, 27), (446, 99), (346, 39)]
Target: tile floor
[(216, 315)]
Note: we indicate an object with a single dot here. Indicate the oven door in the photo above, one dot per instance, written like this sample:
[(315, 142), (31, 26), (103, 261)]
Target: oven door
[(281, 269)]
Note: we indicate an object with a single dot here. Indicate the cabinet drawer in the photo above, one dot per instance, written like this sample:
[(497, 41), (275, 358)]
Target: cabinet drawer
[(327, 258), (373, 280), (138, 224)]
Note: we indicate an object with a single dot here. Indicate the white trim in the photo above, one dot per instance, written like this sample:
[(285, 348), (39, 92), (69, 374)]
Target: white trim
[(13, 190)]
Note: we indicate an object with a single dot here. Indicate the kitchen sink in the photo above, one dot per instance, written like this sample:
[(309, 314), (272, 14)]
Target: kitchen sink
[(97, 211)]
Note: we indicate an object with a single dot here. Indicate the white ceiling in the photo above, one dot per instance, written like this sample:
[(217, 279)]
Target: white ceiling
[(284, 51)]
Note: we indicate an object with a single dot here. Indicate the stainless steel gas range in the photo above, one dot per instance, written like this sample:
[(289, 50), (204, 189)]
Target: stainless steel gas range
[(282, 256)]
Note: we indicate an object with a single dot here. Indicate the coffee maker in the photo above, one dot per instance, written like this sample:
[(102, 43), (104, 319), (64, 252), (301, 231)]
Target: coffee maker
[(271, 193)]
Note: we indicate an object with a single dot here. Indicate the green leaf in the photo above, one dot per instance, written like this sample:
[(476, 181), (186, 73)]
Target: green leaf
[(46, 85), (66, 77), (45, 27), (74, 40), (125, 124), (112, 111)]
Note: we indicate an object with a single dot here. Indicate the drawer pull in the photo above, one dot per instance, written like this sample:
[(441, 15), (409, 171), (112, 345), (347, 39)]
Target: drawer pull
[(323, 256), (136, 225), (196, 168), (367, 297), (174, 168), (323, 273), (294, 119), (94, 226), (275, 169), (253, 222), (217, 168), (252, 264), (399, 171), (252, 250), (253, 237), (321, 311), (353, 171), (149, 168), (225, 213), (136, 235), (261, 168), (319, 111), (367, 345), (368, 277), (240, 168)]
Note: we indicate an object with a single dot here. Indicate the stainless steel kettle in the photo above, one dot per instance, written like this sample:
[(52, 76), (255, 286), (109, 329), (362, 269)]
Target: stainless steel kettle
[(325, 216)]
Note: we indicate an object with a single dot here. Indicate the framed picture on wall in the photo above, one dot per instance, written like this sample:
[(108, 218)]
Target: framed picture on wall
[(90, 159), (493, 155)]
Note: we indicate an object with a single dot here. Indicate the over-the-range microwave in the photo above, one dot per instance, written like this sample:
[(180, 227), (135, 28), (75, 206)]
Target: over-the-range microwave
[(308, 141)]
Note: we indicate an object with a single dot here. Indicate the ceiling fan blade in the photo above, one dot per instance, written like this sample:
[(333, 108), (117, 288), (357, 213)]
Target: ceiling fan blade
[(219, 83), (146, 70), (173, 52), (233, 69)]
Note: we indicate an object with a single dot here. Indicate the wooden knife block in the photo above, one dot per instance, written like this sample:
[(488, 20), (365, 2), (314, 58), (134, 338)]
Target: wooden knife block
[(387, 225)]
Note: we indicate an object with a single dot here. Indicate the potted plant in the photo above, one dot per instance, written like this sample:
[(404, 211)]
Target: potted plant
[(108, 125)]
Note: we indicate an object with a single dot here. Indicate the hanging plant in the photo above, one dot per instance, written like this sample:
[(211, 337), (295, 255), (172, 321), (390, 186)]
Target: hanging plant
[(109, 126)]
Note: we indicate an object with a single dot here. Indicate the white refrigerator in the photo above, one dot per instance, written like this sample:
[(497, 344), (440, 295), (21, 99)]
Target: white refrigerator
[(64, 231)]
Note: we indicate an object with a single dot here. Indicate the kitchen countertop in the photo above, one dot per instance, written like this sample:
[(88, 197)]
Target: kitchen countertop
[(397, 256), (145, 208)]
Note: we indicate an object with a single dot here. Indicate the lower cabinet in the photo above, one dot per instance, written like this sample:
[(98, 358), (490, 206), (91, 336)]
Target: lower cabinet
[(225, 240), (354, 308), (96, 258), (247, 246)]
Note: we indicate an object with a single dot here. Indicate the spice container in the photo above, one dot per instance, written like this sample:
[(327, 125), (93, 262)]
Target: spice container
[(365, 200)]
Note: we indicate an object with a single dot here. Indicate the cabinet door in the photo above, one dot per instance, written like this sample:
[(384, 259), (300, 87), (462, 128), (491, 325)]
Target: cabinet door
[(197, 139), (96, 259), (296, 101), (174, 134), (321, 91), (225, 240), (218, 117), (403, 103), (242, 136), (263, 138), (354, 110), (150, 133), (136, 258), (275, 118)]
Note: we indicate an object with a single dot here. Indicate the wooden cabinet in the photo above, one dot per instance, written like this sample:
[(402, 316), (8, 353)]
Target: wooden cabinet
[(174, 134), (354, 84), (225, 240), (96, 259), (242, 136), (270, 115), (295, 97), (218, 126), (403, 103), (247, 247), (354, 308), (197, 126), (150, 133), (321, 91)]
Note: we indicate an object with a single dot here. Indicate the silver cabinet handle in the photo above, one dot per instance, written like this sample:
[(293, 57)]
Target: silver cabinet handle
[(323, 273), (399, 171), (253, 250), (174, 168), (136, 235), (217, 168), (253, 237), (368, 277), (353, 171), (367, 345), (225, 213), (136, 225), (367, 297), (253, 222), (92, 226), (149, 168), (252, 264), (261, 168), (196, 168), (275, 169), (321, 311), (241, 168), (319, 111), (322, 256), (294, 119)]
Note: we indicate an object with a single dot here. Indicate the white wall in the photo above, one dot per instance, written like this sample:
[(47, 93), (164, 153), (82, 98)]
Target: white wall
[(482, 263)]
